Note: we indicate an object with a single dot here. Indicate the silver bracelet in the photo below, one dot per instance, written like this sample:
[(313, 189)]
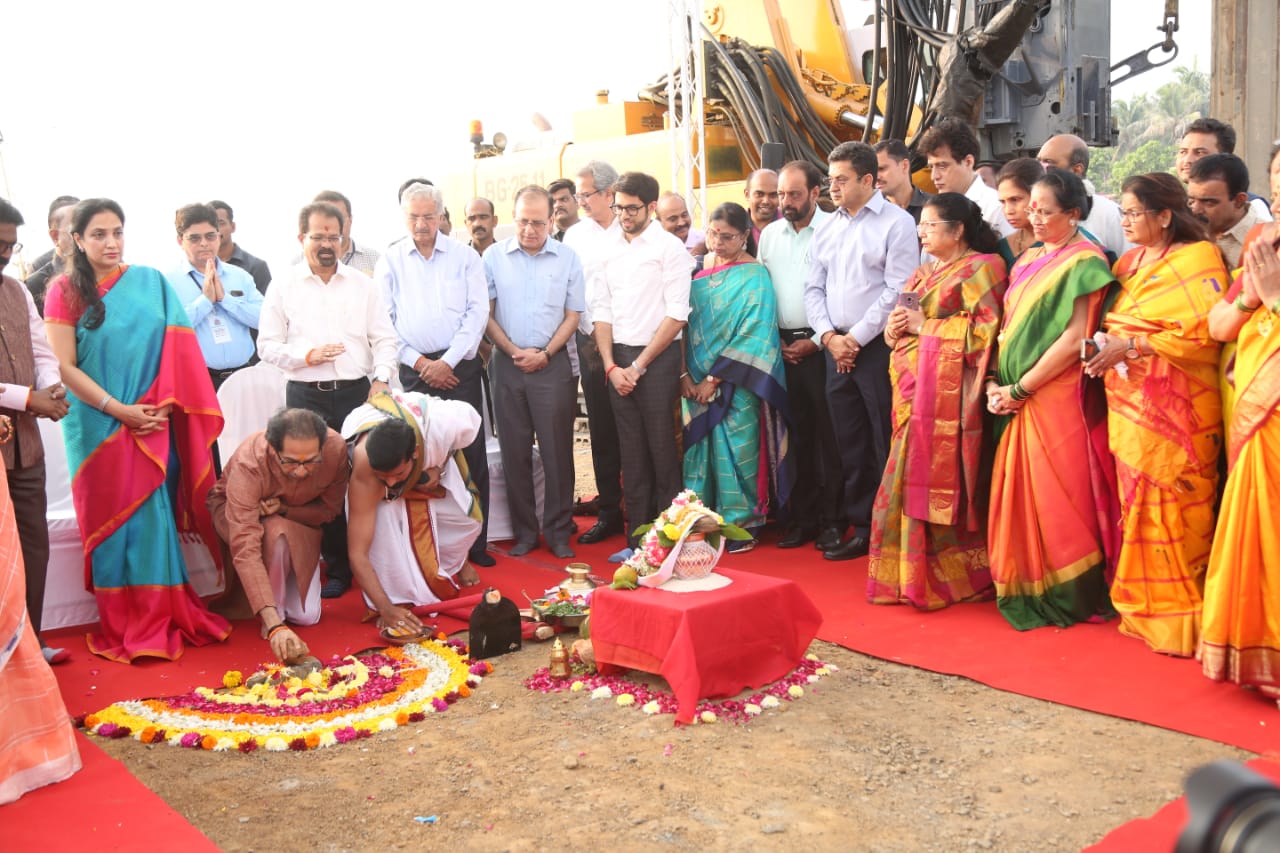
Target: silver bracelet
[(102, 407)]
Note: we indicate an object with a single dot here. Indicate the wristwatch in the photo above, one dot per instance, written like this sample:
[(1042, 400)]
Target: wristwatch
[(640, 371), (382, 375), (1133, 352), (546, 352)]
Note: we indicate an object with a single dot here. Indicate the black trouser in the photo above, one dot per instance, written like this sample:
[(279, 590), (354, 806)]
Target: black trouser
[(30, 505), (333, 407), (861, 405), (817, 499), (469, 390), (647, 436), (606, 458)]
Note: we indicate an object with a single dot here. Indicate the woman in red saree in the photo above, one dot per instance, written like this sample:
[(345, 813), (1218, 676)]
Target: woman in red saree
[(1240, 631), (138, 433), (37, 742), (928, 526), (1053, 516), (1165, 419)]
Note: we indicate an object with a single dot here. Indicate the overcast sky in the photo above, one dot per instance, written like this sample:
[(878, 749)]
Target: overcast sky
[(265, 103)]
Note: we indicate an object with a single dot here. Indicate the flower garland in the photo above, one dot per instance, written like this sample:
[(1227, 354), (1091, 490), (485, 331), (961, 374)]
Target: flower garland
[(350, 699), (627, 693)]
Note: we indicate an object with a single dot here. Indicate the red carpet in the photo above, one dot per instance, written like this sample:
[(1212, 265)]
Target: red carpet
[(103, 807), (1091, 667)]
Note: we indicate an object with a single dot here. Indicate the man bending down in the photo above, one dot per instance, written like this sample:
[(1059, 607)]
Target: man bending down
[(412, 511)]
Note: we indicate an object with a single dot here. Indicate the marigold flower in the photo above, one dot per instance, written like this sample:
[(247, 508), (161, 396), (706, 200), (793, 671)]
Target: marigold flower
[(707, 716), (208, 742), (276, 744), (795, 691), (312, 740), (232, 678), (626, 699), (650, 707)]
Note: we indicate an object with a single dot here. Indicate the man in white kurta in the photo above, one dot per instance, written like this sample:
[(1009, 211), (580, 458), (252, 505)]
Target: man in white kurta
[(414, 565)]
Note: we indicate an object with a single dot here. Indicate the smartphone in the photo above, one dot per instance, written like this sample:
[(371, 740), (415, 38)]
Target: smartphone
[(1088, 349), (236, 292), (909, 300)]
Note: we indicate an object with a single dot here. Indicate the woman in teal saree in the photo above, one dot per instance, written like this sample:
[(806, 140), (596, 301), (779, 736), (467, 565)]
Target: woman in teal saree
[(734, 388), (138, 435)]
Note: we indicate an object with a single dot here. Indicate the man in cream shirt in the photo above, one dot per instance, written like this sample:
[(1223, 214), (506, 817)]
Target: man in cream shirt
[(328, 328)]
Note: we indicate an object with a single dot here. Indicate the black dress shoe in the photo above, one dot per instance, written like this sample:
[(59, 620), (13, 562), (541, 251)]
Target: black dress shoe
[(600, 531), (796, 537), (334, 588), (521, 548), (857, 546), (482, 558), (829, 538), (562, 550)]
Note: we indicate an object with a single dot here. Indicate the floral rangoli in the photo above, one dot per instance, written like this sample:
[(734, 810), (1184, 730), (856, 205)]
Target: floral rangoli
[(347, 699)]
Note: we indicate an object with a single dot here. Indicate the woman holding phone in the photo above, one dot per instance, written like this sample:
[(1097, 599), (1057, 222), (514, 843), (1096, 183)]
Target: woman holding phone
[(1053, 532), (1164, 411), (928, 528)]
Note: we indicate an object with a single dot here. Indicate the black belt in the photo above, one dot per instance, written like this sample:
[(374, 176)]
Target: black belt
[(224, 372), (791, 336), (330, 384)]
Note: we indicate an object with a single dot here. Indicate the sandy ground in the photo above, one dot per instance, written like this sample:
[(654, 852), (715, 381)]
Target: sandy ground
[(877, 757)]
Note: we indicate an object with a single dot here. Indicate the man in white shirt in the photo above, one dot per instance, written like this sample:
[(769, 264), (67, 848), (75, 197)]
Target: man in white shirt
[(640, 305), (439, 302), (858, 262), (1070, 153), (673, 213), (816, 507), (1206, 136), (951, 147), (595, 196), (327, 327), (30, 388)]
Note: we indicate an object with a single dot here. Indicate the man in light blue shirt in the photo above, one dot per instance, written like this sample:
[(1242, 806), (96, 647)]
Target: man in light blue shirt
[(222, 301), (816, 508), (536, 295), (859, 261), (439, 304)]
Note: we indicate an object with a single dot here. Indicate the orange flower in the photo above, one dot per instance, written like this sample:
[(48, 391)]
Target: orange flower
[(91, 721), (312, 740), (488, 667), (148, 734), (442, 636), (208, 742), (402, 719), (464, 691)]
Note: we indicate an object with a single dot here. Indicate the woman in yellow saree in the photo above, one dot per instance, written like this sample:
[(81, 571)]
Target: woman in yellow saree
[(1240, 634), (1165, 418), (1052, 529), (928, 526)]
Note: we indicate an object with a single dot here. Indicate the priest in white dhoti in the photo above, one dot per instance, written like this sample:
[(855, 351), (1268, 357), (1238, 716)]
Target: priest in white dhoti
[(412, 510)]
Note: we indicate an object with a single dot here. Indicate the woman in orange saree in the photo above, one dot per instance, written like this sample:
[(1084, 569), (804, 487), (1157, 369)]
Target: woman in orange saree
[(1240, 631), (142, 420), (37, 742), (1165, 418), (928, 526), (1052, 530)]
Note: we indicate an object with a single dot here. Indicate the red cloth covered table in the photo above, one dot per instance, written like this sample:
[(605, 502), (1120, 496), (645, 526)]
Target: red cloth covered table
[(706, 644)]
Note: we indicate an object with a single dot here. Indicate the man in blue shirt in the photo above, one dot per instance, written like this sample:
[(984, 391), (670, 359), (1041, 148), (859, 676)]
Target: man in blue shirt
[(858, 262), (222, 301), (439, 306), (536, 294)]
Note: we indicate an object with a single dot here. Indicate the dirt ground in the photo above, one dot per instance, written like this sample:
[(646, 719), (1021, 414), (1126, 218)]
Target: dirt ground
[(877, 756)]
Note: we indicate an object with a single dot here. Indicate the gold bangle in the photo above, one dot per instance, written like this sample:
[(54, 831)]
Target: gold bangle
[(1241, 307)]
